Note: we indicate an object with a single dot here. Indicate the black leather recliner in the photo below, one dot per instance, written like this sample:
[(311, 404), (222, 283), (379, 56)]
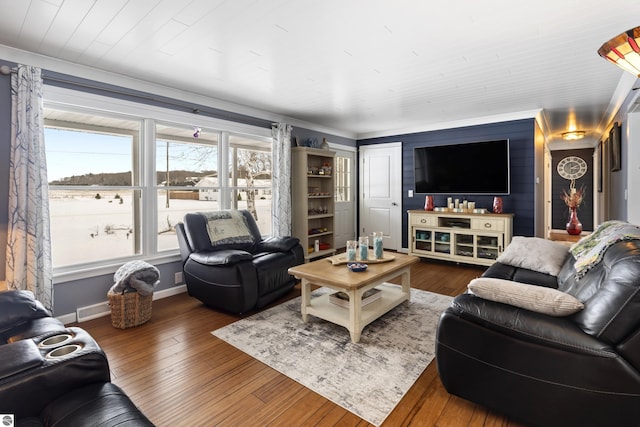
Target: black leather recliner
[(237, 273), (579, 370)]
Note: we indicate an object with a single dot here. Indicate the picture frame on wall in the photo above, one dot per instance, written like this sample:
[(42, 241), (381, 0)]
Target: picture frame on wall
[(600, 165), (615, 143)]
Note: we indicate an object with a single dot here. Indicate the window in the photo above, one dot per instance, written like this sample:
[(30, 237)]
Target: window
[(343, 179), (93, 194), (250, 178), (119, 182), (186, 177)]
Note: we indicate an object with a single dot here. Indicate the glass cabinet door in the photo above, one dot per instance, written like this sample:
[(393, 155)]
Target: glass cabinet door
[(423, 240), (464, 245), (488, 246), (442, 243)]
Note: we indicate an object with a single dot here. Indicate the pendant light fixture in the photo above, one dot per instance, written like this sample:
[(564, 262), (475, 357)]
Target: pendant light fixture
[(624, 51)]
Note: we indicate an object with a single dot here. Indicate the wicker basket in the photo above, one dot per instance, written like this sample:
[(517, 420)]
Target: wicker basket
[(129, 309)]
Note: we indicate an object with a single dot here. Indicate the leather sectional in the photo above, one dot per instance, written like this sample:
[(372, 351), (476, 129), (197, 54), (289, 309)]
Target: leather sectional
[(52, 375), (577, 370)]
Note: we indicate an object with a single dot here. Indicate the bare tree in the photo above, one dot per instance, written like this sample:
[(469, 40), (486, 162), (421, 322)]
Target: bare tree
[(252, 163)]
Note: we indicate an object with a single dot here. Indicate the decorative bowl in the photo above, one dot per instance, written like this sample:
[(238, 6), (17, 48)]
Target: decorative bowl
[(357, 266)]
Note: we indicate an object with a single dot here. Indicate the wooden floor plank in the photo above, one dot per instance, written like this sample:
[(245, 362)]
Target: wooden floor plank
[(178, 373)]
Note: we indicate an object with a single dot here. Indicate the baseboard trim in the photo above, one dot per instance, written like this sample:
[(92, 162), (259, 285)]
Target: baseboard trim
[(102, 309)]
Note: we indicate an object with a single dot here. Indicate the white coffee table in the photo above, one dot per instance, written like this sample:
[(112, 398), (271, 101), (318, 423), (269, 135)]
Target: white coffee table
[(338, 277)]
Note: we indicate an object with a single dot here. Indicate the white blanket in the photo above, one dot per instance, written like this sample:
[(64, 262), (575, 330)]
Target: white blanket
[(135, 276)]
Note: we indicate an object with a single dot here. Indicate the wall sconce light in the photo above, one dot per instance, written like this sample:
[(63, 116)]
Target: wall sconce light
[(624, 51), (573, 135)]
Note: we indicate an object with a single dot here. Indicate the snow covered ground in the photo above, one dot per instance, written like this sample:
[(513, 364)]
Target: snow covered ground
[(86, 229)]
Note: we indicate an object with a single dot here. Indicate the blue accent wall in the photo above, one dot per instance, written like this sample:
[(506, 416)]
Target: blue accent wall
[(559, 210), (520, 201)]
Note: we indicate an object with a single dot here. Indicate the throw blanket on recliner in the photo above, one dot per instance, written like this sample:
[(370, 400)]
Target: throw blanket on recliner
[(137, 276), (589, 250), (227, 228)]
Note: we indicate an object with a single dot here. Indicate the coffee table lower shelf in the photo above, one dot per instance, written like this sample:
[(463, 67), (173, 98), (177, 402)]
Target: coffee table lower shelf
[(354, 317), (391, 296)]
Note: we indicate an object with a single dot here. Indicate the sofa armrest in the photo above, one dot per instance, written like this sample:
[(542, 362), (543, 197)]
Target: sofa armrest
[(278, 244), (558, 332), (18, 357), (221, 257)]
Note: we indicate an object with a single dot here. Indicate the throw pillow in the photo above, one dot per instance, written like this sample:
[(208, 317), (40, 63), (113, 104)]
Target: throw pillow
[(534, 253), (227, 228), (18, 307), (530, 297)]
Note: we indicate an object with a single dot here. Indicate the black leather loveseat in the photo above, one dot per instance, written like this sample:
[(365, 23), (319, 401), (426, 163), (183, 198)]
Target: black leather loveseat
[(228, 265), (52, 375), (557, 369)]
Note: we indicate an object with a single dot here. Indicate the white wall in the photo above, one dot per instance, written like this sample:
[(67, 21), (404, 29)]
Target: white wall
[(632, 141)]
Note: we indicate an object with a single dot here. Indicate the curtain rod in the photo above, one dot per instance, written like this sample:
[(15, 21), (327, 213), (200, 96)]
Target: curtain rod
[(114, 90), (160, 100), (5, 70)]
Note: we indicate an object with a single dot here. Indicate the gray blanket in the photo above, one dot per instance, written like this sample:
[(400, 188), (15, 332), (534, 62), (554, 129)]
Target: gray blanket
[(135, 276)]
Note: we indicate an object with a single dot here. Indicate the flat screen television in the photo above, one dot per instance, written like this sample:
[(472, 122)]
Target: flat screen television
[(468, 168)]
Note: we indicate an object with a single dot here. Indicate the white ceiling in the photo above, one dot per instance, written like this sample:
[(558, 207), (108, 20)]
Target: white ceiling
[(363, 68)]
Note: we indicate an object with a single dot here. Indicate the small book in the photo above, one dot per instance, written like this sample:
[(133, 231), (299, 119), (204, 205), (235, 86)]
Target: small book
[(342, 298)]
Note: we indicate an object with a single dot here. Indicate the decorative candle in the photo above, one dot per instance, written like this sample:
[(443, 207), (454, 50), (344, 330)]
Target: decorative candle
[(363, 243), (377, 244)]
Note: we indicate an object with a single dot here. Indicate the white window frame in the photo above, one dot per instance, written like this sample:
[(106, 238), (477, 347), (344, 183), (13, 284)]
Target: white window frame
[(68, 99)]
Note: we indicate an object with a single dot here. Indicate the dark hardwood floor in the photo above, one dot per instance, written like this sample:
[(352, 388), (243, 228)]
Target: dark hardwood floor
[(179, 374)]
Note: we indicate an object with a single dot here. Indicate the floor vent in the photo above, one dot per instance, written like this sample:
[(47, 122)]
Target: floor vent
[(93, 311)]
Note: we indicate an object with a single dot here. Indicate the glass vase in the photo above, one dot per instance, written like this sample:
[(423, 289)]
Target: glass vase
[(574, 226), (378, 244), (363, 248), (497, 205), (428, 203), (352, 248)]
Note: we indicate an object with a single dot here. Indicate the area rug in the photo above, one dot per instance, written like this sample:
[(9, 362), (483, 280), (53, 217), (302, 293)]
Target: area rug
[(368, 378)]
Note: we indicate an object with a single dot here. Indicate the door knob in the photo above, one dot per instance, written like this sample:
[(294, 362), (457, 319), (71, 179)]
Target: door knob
[(394, 204)]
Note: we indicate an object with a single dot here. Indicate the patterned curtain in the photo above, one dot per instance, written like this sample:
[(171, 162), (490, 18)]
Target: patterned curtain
[(28, 234), (281, 179)]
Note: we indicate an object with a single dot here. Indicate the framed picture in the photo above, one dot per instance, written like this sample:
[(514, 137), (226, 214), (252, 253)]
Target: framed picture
[(615, 142), (600, 164)]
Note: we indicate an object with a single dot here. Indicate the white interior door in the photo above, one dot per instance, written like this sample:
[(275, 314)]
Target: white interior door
[(345, 202), (381, 192)]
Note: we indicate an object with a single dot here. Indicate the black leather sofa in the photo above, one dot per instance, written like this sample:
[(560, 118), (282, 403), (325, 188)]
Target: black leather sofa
[(577, 370), (235, 274), (52, 375)]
